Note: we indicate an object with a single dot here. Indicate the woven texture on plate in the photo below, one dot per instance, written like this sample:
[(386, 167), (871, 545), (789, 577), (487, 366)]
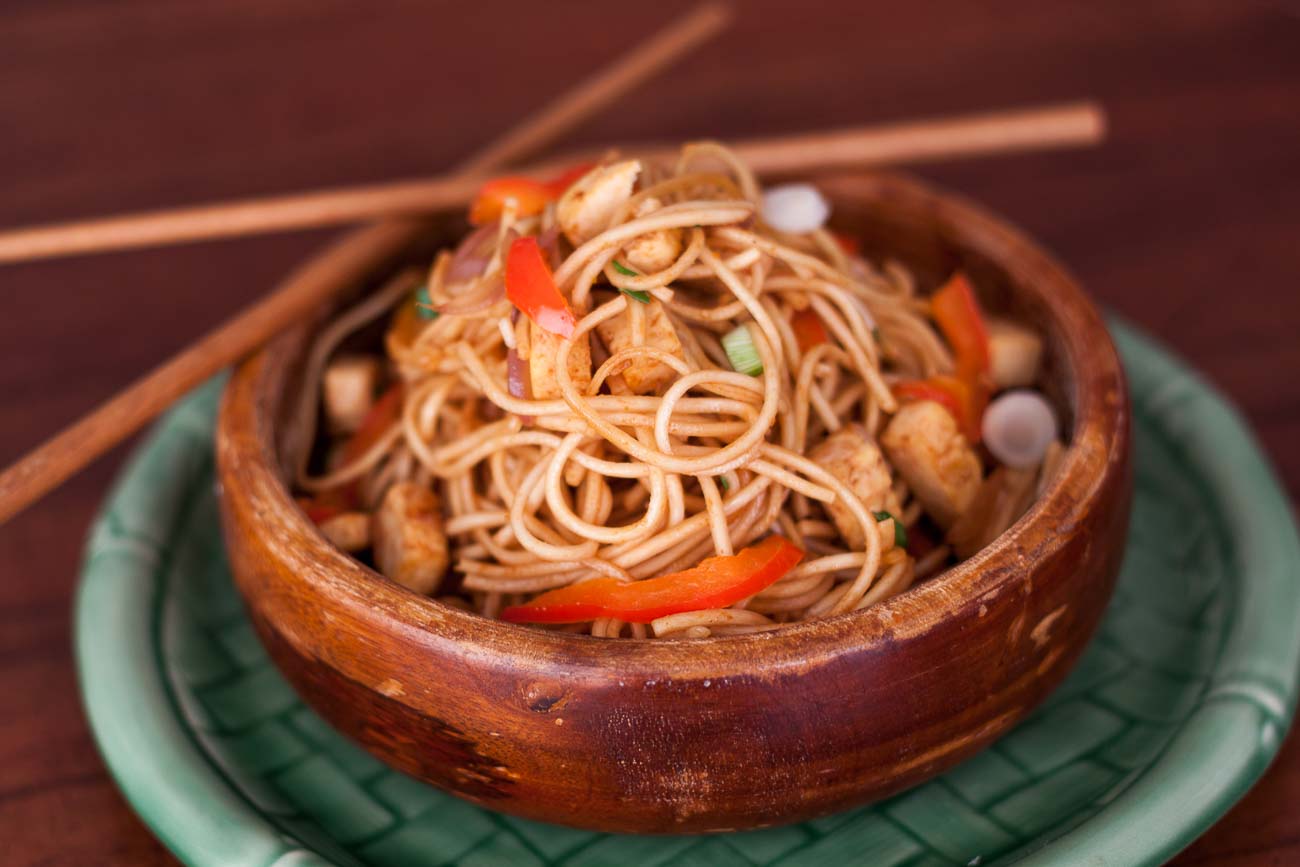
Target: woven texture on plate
[(240, 741)]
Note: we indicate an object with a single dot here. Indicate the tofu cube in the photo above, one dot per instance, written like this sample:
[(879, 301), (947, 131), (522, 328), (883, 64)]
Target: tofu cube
[(585, 209), (409, 542), (940, 467), (1015, 354), (349, 389), (543, 349), (653, 251), (349, 531), (644, 375), (851, 455)]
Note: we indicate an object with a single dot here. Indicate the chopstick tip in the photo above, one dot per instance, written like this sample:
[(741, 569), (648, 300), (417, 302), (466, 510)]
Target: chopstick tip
[(1094, 120)]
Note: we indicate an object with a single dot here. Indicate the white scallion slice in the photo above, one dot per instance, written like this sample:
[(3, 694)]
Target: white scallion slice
[(795, 208), (741, 351), (1018, 427)]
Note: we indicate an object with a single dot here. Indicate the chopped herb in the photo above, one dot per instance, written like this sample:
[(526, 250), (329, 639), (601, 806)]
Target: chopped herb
[(741, 351), (723, 483), (900, 532), (623, 269), (636, 294), (424, 304), (875, 332)]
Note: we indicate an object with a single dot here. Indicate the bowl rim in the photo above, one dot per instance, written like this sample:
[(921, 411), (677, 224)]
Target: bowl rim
[(204, 818), (1098, 450)]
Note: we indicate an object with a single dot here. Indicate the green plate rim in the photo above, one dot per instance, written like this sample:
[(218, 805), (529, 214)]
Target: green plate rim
[(1221, 749)]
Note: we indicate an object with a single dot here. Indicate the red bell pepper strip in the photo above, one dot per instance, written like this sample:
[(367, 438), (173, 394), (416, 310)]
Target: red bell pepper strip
[(957, 314), (530, 287), (716, 583), (848, 243), (808, 329), (567, 178), (927, 389), (328, 504), (965, 395), (383, 414), (964, 400), (530, 196)]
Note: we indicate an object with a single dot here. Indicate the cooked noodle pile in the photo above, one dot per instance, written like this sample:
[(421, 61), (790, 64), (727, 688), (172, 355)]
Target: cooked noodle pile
[(515, 460)]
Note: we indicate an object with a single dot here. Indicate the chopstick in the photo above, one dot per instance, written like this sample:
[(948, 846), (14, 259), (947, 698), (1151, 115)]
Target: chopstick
[(1068, 125), (1053, 126), (51, 463)]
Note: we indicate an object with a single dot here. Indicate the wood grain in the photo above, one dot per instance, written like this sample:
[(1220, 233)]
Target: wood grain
[(79, 444), (106, 107), (997, 133)]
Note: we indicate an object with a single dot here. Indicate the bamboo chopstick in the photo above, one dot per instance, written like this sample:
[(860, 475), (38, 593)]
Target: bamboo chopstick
[(1052, 126), (51, 463)]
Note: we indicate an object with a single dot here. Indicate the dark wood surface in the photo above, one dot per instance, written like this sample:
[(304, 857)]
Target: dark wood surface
[(1186, 222)]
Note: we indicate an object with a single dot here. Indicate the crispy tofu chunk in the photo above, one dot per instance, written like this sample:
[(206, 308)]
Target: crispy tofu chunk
[(349, 390), (653, 251), (349, 531), (927, 450), (645, 375), (1000, 501), (410, 545), (1015, 353), (543, 349), (851, 455), (586, 208)]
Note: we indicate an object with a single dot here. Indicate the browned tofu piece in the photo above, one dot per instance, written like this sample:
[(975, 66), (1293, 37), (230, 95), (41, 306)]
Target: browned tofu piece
[(851, 455), (543, 349), (653, 251), (349, 531), (927, 450), (1015, 354), (645, 375), (586, 208), (349, 391), (1000, 501), (409, 542)]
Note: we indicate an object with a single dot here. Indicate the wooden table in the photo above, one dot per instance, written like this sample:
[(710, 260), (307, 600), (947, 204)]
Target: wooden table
[(1185, 222)]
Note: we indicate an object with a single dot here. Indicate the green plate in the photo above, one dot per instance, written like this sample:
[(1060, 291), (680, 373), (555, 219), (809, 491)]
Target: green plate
[(1175, 710)]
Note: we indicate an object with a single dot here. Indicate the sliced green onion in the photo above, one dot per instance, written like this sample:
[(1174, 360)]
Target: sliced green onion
[(636, 294), (723, 483), (623, 269), (900, 532), (424, 304), (741, 352)]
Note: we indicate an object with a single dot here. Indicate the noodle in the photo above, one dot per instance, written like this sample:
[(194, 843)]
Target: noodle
[(656, 453)]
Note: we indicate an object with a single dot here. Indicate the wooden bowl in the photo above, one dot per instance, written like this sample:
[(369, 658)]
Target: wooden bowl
[(720, 733)]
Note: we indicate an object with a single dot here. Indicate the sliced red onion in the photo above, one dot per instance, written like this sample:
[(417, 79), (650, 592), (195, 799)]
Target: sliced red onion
[(1018, 427), (549, 242), (517, 380), (489, 293), (466, 268), (473, 254), (795, 208)]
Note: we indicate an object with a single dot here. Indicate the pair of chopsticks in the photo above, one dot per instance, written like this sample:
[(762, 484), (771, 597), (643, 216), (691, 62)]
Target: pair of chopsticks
[(58, 458)]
